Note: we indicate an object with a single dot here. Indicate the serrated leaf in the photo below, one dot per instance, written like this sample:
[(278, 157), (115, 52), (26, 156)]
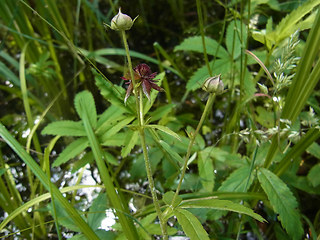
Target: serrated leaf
[(165, 130), (110, 123), (190, 225), (72, 150), (131, 140), (97, 211), (221, 205), (109, 114), (171, 152), (119, 125), (288, 24), (235, 39), (206, 171), (114, 94), (195, 44), (65, 128), (282, 201), (116, 140), (237, 181), (84, 104)]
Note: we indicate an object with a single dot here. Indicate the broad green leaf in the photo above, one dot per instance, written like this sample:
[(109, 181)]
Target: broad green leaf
[(264, 117), (237, 181), (302, 183), (168, 197), (131, 140), (84, 104), (236, 38), (195, 44), (72, 150), (97, 211), (225, 157), (166, 130), (190, 225), (171, 152), (221, 205), (314, 175), (282, 201), (65, 128), (63, 218), (314, 150), (206, 171)]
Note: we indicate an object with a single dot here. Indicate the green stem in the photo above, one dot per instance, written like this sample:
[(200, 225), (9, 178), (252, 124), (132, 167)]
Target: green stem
[(193, 138), (200, 19), (139, 107)]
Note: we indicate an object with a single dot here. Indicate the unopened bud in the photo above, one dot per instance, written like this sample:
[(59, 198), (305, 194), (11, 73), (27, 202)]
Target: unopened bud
[(213, 85), (121, 22)]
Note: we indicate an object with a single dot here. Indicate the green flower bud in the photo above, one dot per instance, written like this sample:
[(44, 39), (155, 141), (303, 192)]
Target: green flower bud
[(121, 22), (213, 85)]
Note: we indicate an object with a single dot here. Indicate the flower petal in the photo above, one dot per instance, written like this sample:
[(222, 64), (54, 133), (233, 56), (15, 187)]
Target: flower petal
[(129, 90), (146, 87), (156, 87)]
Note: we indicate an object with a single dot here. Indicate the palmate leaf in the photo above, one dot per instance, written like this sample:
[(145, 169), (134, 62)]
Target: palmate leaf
[(65, 128), (190, 225), (220, 205), (283, 202), (84, 104)]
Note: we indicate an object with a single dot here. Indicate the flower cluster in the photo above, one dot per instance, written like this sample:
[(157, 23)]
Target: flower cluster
[(142, 76)]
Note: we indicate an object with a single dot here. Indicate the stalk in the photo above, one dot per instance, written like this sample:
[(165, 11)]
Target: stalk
[(139, 107), (193, 138)]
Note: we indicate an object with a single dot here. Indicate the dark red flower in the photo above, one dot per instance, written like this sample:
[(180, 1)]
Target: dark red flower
[(144, 77)]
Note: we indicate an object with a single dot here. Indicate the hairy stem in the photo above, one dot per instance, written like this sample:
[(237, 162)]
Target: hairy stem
[(139, 106)]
